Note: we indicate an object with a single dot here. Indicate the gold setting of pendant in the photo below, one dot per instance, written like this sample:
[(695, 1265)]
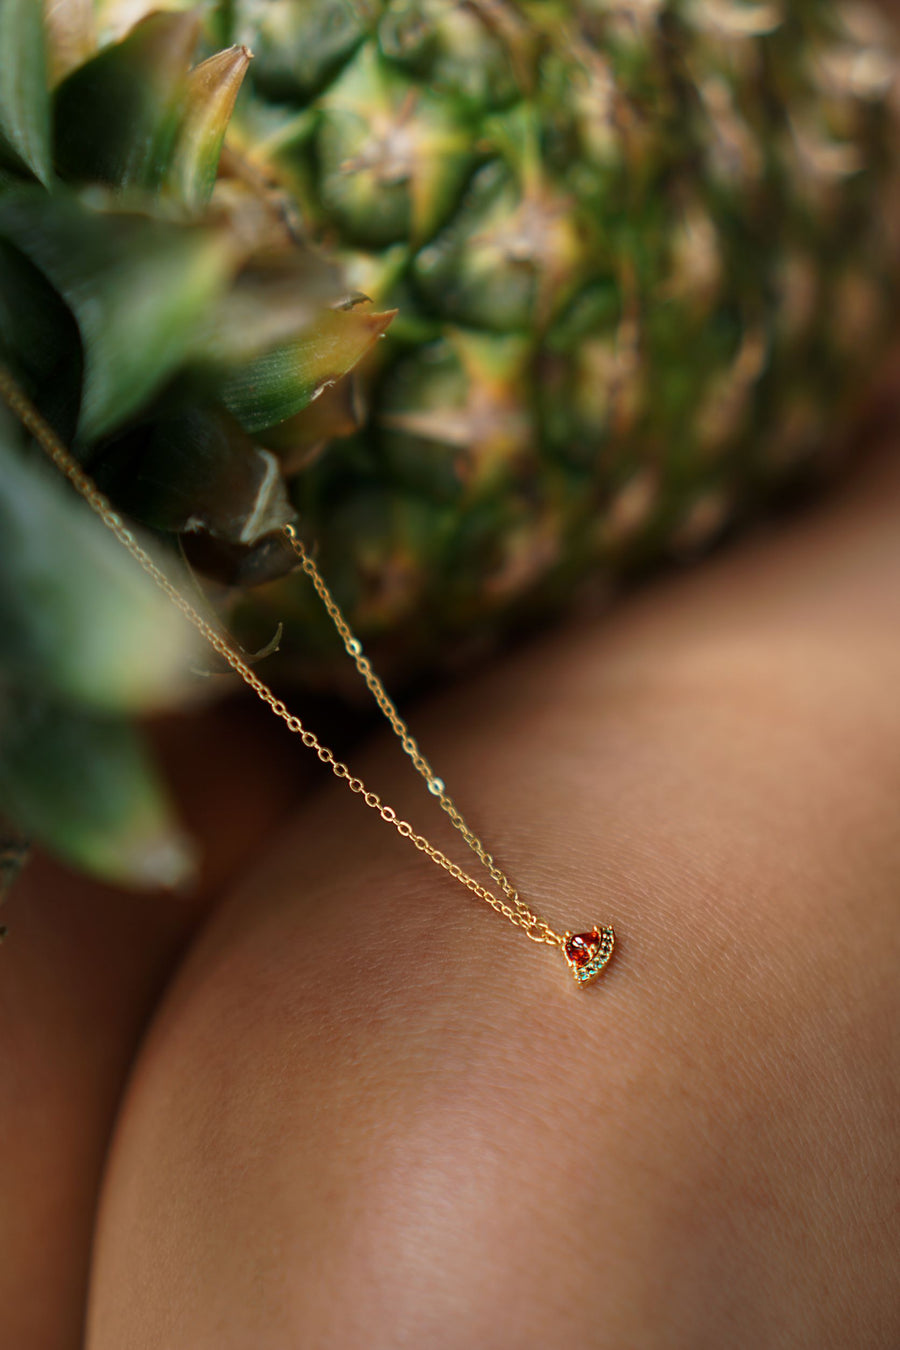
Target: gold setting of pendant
[(588, 954)]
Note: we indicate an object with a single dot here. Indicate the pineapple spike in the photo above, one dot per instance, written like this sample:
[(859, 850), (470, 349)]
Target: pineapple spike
[(282, 382), (212, 89)]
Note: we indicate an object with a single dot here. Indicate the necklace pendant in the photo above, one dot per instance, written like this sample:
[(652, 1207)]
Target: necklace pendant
[(588, 954)]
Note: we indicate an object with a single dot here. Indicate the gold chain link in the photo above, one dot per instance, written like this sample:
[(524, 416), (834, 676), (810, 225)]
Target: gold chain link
[(516, 911)]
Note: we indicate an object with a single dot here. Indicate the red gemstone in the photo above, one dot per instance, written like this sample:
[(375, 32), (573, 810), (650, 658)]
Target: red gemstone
[(581, 947)]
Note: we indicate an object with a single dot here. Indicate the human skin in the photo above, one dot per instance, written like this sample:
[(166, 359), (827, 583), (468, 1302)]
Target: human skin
[(80, 973), (371, 1113)]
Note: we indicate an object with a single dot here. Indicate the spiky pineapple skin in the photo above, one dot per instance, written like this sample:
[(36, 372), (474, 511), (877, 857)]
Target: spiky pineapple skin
[(643, 263)]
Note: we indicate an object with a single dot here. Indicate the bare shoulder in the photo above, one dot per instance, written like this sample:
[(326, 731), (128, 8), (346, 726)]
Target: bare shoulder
[(371, 1112)]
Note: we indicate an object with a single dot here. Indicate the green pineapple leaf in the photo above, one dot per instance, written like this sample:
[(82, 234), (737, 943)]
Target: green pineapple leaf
[(196, 469), (117, 116), (77, 618), (24, 99), (86, 788), (280, 292), (283, 381), (38, 336), (140, 289)]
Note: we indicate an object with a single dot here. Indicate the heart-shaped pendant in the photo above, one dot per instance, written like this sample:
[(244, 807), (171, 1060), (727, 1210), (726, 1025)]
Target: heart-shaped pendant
[(588, 954)]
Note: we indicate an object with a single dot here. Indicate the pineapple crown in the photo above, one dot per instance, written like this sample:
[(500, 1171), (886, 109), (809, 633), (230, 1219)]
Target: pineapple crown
[(160, 309)]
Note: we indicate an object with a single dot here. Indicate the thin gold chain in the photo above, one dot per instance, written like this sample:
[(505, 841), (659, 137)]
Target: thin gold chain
[(512, 908)]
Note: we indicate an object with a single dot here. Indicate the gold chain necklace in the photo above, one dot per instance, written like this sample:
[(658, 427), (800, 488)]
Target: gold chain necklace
[(587, 954)]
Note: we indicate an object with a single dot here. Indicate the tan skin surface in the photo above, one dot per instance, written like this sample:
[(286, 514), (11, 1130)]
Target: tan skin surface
[(370, 1113), (80, 972)]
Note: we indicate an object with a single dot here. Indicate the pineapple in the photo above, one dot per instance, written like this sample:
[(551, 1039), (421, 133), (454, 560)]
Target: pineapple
[(154, 328), (639, 255), (632, 263)]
